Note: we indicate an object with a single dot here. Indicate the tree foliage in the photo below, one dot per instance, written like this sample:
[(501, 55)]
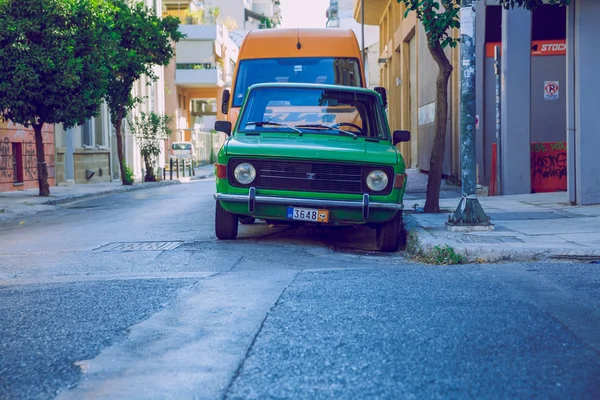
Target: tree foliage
[(140, 41), (150, 130), (53, 69)]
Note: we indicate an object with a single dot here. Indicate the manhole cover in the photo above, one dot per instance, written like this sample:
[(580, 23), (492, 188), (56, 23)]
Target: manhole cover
[(489, 239), (139, 246)]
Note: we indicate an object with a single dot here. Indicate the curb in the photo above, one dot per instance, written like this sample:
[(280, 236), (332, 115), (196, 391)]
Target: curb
[(119, 189), (420, 240)]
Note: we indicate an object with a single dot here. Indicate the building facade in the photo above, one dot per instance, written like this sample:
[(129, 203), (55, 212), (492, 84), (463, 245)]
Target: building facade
[(88, 153), (340, 14), (409, 73), (203, 66), (546, 134), (548, 129), (18, 157), (238, 16)]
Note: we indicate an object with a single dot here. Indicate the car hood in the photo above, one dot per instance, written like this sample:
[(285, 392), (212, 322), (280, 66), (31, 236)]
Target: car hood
[(307, 146)]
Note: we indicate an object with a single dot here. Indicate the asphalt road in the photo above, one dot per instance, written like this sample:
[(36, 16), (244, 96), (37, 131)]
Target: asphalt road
[(130, 296)]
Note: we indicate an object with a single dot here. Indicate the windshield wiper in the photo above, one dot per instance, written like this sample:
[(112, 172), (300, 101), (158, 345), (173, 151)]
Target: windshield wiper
[(321, 126), (267, 123)]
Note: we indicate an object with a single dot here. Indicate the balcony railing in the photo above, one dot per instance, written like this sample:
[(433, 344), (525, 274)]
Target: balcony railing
[(199, 77)]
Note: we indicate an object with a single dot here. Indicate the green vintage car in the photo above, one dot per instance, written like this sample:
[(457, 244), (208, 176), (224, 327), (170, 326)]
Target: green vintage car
[(311, 153)]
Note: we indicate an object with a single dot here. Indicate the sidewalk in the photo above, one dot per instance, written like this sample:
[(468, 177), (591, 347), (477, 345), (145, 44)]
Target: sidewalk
[(27, 202), (526, 227)]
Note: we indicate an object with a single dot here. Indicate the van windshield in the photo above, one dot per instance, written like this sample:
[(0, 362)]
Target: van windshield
[(341, 112), (181, 146), (324, 70)]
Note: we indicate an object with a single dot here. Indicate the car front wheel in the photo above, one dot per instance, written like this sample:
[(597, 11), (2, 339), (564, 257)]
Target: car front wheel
[(226, 224), (389, 236)]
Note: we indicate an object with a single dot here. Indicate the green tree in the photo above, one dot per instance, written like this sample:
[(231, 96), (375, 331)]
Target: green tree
[(140, 40), (439, 17), (150, 130), (52, 70)]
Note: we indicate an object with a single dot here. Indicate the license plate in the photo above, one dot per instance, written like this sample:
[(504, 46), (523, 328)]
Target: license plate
[(307, 214)]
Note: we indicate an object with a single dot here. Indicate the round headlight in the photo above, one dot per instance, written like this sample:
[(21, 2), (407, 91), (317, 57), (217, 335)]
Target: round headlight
[(377, 180), (244, 173)]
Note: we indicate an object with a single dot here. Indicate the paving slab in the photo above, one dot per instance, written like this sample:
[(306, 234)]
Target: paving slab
[(526, 227)]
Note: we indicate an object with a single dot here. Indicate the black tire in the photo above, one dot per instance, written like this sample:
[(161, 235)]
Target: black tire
[(390, 235), (226, 224), (247, 220)]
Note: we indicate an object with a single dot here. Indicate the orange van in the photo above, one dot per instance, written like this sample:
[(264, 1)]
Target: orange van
[(326, 56)]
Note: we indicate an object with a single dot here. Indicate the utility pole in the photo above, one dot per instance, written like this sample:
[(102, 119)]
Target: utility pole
[(469, 214)]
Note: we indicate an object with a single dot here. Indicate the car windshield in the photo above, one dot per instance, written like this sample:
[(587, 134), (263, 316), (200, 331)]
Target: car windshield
[(181, 146), (313, 110), (329, 70)]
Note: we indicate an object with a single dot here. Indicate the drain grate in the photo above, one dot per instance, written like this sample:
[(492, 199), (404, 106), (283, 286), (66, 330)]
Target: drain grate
[(489, 239), (139, 246)]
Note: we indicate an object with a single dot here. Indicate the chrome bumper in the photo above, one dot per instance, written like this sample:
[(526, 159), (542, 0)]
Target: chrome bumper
[(252, 199)]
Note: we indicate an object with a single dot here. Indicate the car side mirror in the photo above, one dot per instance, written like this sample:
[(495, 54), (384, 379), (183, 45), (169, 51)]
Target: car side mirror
[(383, 93), (223, 126), (225, 101), (401, 136)]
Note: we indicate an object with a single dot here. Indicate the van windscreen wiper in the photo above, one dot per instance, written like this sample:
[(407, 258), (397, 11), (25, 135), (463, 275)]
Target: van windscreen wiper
[(270, 123), (321, 126)]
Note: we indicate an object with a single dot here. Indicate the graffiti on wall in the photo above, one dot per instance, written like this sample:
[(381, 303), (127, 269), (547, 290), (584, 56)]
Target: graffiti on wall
[(548, 166), (29, 161)]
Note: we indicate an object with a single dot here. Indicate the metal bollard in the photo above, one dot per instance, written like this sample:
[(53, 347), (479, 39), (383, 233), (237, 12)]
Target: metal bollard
[(171, 169), (177, 168)]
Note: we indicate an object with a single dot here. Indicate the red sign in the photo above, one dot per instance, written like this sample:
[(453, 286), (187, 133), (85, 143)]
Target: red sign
[(538, 48), (549, 48)]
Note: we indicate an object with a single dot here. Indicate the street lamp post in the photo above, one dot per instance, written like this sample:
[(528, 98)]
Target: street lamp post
[(469, 214)]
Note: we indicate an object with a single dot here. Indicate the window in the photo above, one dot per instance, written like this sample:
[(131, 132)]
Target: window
[(98, 132), (315, 111), (181, 146), (86, 133), (92, 133), (338, 71)]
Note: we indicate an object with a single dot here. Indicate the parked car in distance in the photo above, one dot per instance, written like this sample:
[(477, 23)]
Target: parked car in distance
[(311, 153), (182, 150)]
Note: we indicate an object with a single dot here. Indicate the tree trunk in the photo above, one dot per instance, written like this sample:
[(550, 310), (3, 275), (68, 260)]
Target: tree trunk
[(118, 122), (42, 169), (149, 170), (436, 161)]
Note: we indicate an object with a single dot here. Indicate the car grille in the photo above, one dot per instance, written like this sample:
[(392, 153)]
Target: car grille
[(310, 176)]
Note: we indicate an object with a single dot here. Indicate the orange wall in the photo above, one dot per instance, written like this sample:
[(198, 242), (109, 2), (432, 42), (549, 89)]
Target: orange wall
[(11, 133)]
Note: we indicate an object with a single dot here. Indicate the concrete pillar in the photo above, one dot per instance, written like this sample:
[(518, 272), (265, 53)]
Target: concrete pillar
[(515, 160), (70, 156), (570, 97), (587, 87)]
